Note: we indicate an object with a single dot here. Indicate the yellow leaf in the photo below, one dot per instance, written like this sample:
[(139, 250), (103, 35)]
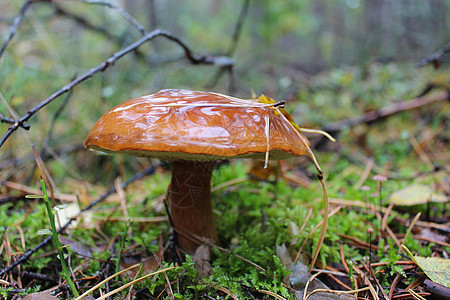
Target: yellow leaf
[(264, 99), (416, 194), (437, 269)]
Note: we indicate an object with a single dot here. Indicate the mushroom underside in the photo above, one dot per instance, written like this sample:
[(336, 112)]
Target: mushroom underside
[(274, 154)]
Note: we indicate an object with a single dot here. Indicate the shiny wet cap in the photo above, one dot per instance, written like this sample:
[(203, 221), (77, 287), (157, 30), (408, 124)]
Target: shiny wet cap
[(199, 126)]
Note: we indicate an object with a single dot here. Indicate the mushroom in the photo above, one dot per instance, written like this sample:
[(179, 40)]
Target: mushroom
[(193, 130)]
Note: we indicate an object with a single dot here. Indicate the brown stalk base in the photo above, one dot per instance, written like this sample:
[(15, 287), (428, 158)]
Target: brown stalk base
[(190, 203)]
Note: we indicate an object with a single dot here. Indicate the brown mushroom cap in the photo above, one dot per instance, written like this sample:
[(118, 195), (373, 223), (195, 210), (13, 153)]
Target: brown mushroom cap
[(191, 125)]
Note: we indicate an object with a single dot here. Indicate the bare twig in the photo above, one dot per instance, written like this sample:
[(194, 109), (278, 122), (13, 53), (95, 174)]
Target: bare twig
[(336, 292), (119, 9), (105, 281), (436, 288), (169, 286), (12, 121), (132, 283), (39, 276), (50, 132), (188, 53), (226, 63), (102, 67), (111, 191), (15, 25), (217, 60), (86, 24), (365, 280), (358, 242), (434, 58), (387, 111), (238, 28), (394, 285), (14, 114), (83, 22), (411, 226), (372, 276), (55, 117)]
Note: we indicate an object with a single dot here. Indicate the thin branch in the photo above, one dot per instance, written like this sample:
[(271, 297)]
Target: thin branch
[(12, 121), (102, 67), (50, 132), (188, 53), (387, 111), (226, 64), (434, 58), (55, 117), (24, 257), (124, 14), (238, 29), (84, 22), (15, 25), (221, 61)]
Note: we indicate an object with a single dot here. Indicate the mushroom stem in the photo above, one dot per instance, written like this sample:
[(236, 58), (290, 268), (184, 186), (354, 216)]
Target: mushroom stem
[(190, 203)]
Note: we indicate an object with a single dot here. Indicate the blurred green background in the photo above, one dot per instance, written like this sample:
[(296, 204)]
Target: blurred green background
[(351, 55)]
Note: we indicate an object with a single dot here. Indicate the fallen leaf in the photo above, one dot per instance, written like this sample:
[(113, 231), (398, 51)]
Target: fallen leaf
[(77, 247), (431, 235), (40, 296), (437, 269), (416, 194), (201, 260), (299, 276), (148, 265), (258, 171)]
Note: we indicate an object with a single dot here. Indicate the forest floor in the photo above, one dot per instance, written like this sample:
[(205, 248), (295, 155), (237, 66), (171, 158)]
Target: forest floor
[(388, 184), (387, 173)]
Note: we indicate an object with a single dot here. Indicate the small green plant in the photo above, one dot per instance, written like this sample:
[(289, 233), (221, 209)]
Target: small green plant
[(54, 233), (4, 292), (31, 290), (123, 237)]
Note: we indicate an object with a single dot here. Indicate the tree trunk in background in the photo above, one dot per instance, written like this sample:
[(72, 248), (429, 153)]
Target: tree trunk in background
[(372, 16), (316, 55), (330, 32)]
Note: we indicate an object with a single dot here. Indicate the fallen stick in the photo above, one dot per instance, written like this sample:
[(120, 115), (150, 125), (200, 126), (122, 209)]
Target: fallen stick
[(387, 111), (435, 57), (30, 252)]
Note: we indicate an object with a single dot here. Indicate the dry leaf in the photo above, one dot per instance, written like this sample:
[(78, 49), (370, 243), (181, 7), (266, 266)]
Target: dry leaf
[(40, 296), (201, 260), (77, 247), (300, 276), (258, 171), (437, 269), (149, 265), (416, 194)]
